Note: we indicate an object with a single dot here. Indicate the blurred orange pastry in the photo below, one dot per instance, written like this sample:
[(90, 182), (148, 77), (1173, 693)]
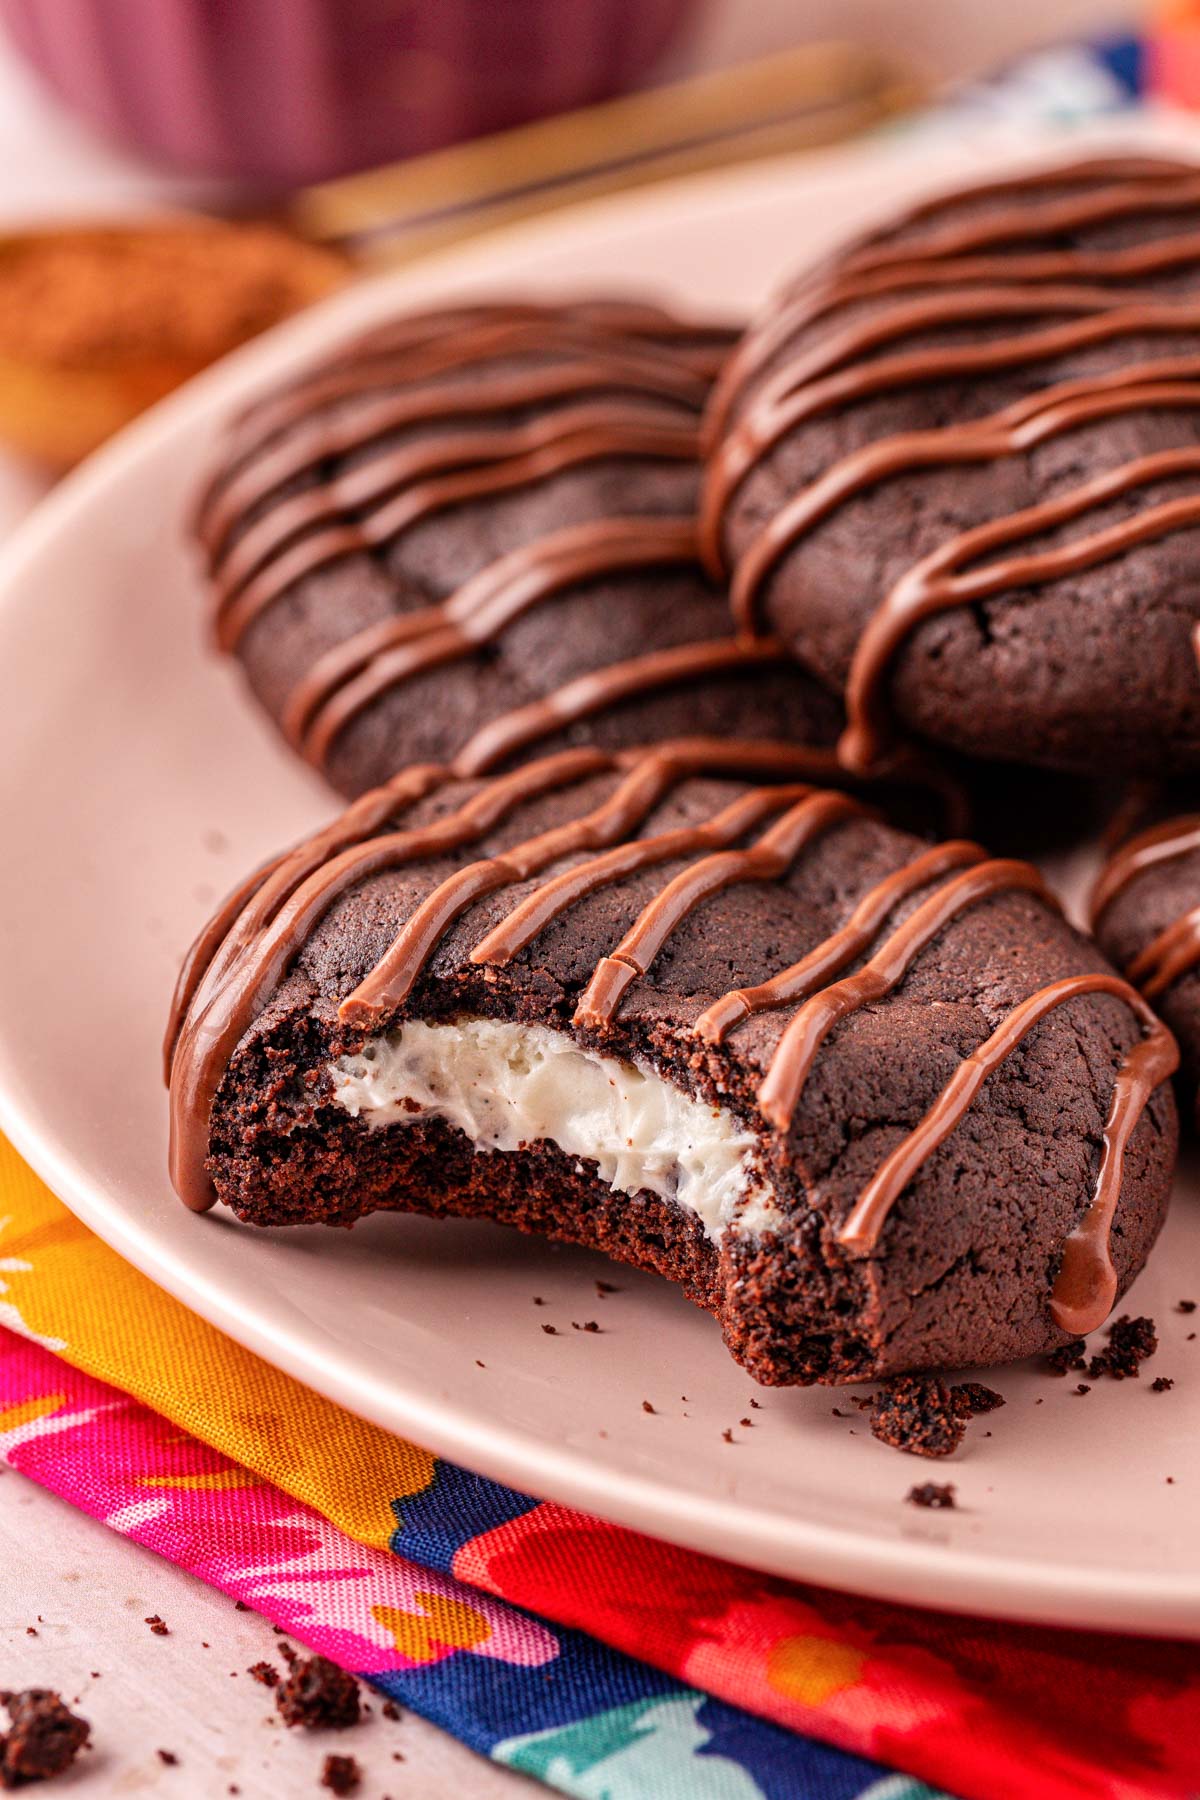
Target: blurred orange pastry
[(98, 322)]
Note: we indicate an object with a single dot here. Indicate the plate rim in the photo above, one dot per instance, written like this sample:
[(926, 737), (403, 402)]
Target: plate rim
[(904, 1570)]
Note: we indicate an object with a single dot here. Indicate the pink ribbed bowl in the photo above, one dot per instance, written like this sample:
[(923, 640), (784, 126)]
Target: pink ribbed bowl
[(285, 91)]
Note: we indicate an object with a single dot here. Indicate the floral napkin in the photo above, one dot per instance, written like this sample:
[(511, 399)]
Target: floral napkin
[(607, 1664)]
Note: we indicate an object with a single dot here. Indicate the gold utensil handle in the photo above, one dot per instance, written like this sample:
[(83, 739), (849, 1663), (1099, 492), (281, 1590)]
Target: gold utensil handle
[(813, 95)]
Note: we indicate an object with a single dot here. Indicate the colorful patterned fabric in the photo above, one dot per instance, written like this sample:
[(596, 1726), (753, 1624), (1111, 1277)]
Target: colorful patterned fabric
[(547, 1701), (603, 1662)]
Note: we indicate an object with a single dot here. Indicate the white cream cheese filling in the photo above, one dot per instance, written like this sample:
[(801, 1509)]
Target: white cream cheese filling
[(504, 1086)]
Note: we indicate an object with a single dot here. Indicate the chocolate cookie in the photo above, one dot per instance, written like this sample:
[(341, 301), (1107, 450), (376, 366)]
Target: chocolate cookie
[(470, 538), (1146, 914), (958, 469), (872, 1103)]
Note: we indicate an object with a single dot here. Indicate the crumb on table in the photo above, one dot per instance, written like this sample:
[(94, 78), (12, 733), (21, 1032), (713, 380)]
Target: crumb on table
[(43, 1739), (340, 1774), (317, 1694), (937, 1495)]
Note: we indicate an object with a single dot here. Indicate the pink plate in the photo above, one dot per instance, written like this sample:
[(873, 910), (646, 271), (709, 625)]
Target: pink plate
[(136, 783)]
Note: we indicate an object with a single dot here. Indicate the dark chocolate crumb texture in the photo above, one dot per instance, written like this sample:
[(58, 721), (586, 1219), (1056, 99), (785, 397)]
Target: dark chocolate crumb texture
[(920, 1414), (1146, 914), (43, 1739), (870, 1101), (939, 1496), (471, 538), (957, 467)]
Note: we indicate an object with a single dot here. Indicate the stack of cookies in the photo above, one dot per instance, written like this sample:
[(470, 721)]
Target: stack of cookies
[(638, 647)]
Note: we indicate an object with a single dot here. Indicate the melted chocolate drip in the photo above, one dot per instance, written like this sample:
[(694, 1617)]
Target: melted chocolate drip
[(241, 959), (1086, 1284), (947, 279)]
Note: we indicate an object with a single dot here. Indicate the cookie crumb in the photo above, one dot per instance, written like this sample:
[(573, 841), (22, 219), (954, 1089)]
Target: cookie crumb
[(240, 1606), (746, 1422), (588, 1325), (972, 1398), (606, 1287), (168, 1757), (159, 1626), (937, 1495), (265, 1673), (922, 1416), (480, 1365), (1185, 1306), (538, 1301), (646, 1406), (727, 1435), (390, 1710), (340, 1774), (550, 1330), (317, 1694), (1131, 1342), (1081, 1387), (1162, 1384), (43, 1739), (1066, 1357)]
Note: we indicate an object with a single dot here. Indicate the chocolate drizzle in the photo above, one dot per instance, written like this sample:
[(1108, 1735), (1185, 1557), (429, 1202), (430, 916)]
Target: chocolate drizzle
[(426, 346), (361, 668), (511, 732), (1086, 1284), (838, 951), (944, 579), (807, 1031), (1176, 949), (241, 960), (765, 860), (591, 357), (500, 398), (983, 270), (322, 525)]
